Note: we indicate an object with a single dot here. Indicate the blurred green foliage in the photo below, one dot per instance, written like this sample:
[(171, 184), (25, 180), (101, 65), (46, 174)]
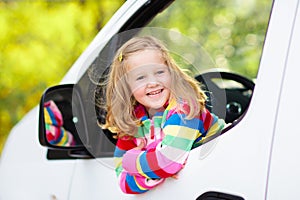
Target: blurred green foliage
[(231, 31), (39, 42)]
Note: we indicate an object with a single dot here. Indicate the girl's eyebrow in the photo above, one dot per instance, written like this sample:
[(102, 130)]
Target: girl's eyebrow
[(162, 67), (138, 73), (134, 73), (140, 69)]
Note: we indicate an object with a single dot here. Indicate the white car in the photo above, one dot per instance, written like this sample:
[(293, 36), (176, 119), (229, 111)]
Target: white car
[(247, 56)]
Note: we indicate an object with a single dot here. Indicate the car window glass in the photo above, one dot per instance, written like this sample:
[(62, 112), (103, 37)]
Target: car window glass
[(231, 31)]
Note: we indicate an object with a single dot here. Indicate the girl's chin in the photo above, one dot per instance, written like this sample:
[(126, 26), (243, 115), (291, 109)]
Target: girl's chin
[(155, 103), (157, 107)]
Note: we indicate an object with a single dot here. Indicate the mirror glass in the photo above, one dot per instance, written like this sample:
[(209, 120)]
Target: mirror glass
[(59, 119)]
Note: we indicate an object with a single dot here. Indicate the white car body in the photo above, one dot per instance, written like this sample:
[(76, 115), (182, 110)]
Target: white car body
[(257, 159)]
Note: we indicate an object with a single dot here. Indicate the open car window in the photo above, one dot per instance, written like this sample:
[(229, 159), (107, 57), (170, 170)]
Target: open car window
[(219, 42)]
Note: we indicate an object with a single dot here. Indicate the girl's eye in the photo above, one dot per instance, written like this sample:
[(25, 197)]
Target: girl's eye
[(160, 72), (140, 78)]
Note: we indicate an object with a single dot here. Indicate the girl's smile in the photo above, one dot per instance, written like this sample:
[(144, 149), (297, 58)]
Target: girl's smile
[(149, 79), (155, 93)]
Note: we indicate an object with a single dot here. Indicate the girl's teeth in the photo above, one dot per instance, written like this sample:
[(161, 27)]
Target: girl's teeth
[(155, 92)]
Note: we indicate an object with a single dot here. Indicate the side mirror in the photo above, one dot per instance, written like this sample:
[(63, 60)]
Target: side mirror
[(61, 118)]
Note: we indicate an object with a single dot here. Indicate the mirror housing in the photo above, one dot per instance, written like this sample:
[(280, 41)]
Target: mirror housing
[(61, 118)]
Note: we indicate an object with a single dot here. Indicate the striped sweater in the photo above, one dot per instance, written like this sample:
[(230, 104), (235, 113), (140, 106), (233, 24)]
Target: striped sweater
[(56, 134), (169, 138)]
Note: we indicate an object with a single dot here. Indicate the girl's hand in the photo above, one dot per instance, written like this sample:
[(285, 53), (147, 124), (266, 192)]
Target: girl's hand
[(176, 176), (141, 145)]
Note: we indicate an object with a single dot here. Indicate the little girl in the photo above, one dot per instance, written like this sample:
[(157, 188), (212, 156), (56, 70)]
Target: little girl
[(157, 112)]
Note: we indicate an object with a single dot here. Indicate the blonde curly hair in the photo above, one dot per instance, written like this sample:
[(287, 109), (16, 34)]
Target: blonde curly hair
[(120, 102)]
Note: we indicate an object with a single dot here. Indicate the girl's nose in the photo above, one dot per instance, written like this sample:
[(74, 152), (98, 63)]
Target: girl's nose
[(152, 81), (152, 84)]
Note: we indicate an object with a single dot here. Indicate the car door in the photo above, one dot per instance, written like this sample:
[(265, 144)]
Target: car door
[(284, 176)]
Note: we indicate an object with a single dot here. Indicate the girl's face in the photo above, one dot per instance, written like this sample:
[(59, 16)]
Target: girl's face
[(149, 79)]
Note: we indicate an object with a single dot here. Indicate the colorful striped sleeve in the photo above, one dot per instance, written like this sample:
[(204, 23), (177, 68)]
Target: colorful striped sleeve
[(56, 134), (131, 183), (210, 128), (137, 168), (141, 170)]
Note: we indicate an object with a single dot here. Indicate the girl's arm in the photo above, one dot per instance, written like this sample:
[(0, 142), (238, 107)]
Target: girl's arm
[(131, 183), (168, 157), (211, 128), (55, 132)]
